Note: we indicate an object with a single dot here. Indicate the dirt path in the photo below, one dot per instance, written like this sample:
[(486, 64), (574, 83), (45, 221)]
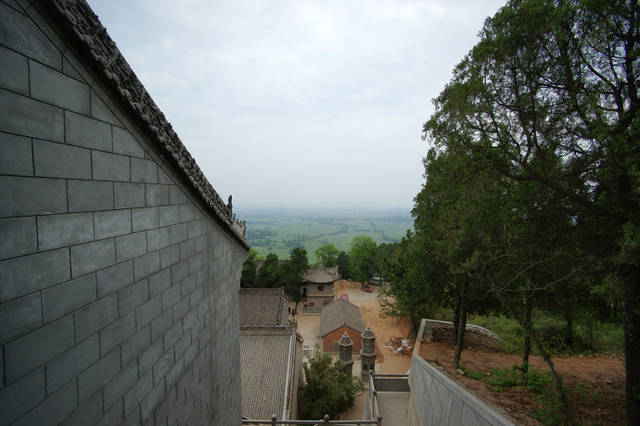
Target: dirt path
[(384, 328)]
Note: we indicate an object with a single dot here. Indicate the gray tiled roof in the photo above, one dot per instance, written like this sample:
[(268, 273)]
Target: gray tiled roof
[(263, 306), (339, 313), (264, 358), (321, 275)]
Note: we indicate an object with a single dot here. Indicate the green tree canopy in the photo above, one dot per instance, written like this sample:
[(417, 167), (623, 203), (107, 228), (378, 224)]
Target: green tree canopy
[(298, 257), (269, 274), (248, 277), (412, 292), (551, 95), (328, 389), (328, 254), (292, 270), (384, 253), (343, 265), (362, 257)]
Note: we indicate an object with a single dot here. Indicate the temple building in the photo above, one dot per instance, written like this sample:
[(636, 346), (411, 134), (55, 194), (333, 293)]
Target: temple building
[(337, 318), (317, 287)]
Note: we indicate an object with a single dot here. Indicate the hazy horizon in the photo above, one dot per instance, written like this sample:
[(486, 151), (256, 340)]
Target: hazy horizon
[(288, 103), (322, 208)]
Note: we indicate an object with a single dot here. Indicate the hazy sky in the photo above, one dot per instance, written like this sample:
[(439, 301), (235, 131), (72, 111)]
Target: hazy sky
[(299, 103)]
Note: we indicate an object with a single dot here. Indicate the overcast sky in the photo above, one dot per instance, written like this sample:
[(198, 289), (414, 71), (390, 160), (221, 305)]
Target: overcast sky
[(299, 103)]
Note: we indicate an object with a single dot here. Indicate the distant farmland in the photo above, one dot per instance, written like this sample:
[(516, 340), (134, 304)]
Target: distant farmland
[(279, 231)]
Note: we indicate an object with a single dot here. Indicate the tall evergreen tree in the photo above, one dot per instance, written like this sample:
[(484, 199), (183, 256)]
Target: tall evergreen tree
[(269, 274), (362, 258), (248, 277), (291, 272), (343, 265), (557, 82)]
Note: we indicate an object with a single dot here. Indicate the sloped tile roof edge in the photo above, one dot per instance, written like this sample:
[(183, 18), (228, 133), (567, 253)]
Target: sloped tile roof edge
[(340, 313), (83, 26)]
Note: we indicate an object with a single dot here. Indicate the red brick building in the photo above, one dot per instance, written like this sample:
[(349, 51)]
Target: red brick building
[(337, 317)]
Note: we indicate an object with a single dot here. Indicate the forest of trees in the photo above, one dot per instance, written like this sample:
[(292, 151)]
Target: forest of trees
[(364, 260), (532, 195)]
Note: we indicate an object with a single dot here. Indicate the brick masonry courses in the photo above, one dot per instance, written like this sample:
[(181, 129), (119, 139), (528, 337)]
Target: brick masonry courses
[(118, 288), (330, 341)]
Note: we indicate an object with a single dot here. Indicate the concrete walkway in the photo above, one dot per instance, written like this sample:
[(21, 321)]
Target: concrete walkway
[(309, 329), (394, 408)]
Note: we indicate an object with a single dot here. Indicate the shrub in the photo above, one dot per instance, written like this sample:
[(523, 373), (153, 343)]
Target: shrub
[(503, 378), (475, 375), (328, 389)]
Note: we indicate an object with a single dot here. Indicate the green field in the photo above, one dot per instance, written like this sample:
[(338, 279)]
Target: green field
[(280, 230)]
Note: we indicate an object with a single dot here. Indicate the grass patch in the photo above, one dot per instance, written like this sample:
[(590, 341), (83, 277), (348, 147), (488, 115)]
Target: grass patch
[(507, 328), (504, 378), (475, 375), (548, 409), (598, 336), (589, 335)]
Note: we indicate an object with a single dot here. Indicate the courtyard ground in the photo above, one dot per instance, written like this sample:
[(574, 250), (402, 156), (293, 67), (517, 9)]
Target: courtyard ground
[(384, 328)]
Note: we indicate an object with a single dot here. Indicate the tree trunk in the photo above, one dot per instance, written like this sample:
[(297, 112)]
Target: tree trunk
[(415, 322), (526, 325), (568, 315), (564, 398), (456, 314), (557, 380), (632, 341), (462, 325)]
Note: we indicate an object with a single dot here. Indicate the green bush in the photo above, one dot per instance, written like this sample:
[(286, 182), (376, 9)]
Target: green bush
[(590, 336), (548, 408), (597, 336), (504, 378), (538, 382), (507, 328), (328, 389), (553, 336), (475, 375)]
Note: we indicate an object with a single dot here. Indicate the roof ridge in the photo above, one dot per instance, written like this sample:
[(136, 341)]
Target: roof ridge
[(79, 20)]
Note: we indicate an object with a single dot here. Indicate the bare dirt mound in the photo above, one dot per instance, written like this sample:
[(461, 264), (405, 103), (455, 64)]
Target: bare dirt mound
[(342, 286), (386, 329), (595, 383)]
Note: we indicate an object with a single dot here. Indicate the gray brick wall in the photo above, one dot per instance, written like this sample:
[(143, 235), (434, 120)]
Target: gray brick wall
[(118, 293)]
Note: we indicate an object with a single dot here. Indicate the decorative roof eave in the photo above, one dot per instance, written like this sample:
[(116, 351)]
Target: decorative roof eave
[(320, 275), (83, 24)]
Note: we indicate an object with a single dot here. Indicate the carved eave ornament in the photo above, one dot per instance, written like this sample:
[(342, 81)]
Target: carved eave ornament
[(78, 19)]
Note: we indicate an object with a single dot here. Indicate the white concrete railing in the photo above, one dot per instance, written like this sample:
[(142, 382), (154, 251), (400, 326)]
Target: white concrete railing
[(476, 329), (439, 400)]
